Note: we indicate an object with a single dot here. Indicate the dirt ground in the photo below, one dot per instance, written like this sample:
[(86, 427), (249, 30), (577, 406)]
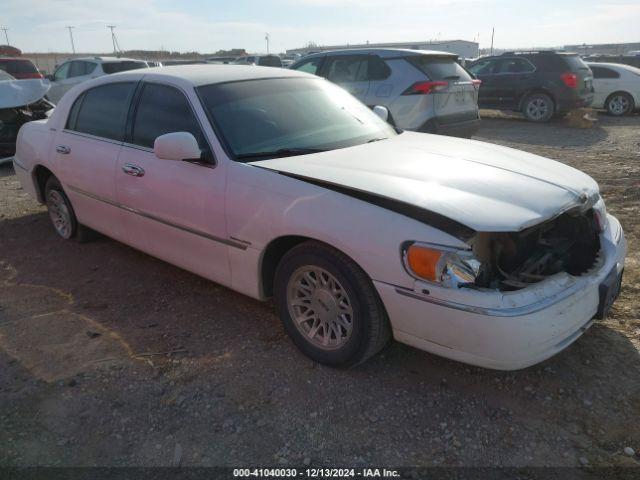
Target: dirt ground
[(111, 357)]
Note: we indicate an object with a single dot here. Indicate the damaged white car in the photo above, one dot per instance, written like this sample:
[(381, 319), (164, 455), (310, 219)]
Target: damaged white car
[(21, 101), (279, 184)]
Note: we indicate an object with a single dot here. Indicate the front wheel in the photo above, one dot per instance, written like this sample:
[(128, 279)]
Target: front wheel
[(619, 104), (328, 306), (538, 107)]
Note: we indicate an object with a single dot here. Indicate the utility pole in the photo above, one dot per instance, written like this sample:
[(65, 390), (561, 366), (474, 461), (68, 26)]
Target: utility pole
[(73, 47), (266, 37), (114, 40), (493, 31), (5, 34)]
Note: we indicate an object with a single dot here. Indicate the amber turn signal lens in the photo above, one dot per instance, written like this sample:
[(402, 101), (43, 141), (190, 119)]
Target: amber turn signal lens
[(423, 262)]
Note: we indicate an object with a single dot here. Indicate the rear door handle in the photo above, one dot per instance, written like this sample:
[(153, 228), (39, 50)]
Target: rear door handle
[(64, 149), (133, 170)]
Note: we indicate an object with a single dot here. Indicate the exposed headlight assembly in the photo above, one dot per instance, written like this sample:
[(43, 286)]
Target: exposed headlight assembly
[(444, 266)]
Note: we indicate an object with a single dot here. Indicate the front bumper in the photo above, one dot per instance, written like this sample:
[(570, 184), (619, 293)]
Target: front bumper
[(522, 329)]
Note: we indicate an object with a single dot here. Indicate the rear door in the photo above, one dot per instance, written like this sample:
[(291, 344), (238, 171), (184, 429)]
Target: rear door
[(456, 100), (513, 77), (351, 72), (86, 155), (605, 82)]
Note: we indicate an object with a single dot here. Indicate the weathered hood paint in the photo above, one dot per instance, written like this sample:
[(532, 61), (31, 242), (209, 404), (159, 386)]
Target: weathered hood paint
[(486, 187)]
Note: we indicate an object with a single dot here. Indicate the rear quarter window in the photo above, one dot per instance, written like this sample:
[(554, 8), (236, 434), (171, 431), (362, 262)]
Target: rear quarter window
[(439, 68), (115, 67), (575, 63)]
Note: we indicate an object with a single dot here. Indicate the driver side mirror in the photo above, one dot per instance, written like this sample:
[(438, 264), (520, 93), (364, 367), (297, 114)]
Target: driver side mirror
[(382, 112), (177, 146)]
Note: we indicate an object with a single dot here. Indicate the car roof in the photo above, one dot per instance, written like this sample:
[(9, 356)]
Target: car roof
[(105, 59), (619, 66), (383, 52), (15, 59), (207, 74)]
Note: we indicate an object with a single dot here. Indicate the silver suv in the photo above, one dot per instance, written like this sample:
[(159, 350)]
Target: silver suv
[(72, 72), (425, 91)]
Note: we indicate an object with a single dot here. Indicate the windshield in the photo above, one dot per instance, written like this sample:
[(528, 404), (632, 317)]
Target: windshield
[(289, 114)]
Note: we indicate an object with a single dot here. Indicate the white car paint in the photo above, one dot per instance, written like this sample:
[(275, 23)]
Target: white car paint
[(218, 222), (18, 93), (629, 82)]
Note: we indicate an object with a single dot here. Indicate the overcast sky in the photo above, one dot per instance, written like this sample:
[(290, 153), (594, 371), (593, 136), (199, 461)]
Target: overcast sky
[(206, 26)]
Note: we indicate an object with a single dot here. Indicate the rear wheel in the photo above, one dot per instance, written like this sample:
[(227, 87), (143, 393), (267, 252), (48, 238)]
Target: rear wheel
[(328, 306), (538, 107), (60, 210), (619, 104)]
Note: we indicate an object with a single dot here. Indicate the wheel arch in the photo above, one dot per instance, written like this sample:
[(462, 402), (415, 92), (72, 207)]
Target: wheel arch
[(618, 92), (273, 253), (40, 176)]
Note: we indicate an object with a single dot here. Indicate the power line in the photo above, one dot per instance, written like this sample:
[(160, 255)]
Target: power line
[(6, 36), (73, 47)]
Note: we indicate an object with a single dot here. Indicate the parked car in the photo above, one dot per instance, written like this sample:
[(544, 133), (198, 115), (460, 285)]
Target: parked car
[(72, 72), (223, 60), (261, 60), (538, 84), (423, 91), (21, 101), (469, 250), (617, 87), (20, 68)]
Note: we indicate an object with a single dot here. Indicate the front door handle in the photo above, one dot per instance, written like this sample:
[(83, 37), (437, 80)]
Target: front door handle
[(133, 170), (64, 149)]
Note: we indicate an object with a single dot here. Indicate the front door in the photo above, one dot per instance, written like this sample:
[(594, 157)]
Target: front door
[(173, 210), (484, 71)]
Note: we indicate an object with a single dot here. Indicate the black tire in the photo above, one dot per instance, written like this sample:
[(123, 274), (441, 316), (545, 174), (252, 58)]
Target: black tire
[(538, 107), (370, 326), (53, 189), (619, 104)]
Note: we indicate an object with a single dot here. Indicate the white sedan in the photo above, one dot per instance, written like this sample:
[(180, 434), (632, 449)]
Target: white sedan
[(279, 184), (617, 87)]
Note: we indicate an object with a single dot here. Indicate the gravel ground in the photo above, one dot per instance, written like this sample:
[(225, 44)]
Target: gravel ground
[(110, 357)]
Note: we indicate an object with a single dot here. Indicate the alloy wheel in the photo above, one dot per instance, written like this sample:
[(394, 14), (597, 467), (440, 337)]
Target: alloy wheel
[(320, 307), (59, 213)]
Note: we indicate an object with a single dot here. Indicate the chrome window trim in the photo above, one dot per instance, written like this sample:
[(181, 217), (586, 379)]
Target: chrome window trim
[(92, 137)]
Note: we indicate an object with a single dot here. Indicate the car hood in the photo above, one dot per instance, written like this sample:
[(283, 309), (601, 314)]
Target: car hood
[(486, 187), (18, 93)]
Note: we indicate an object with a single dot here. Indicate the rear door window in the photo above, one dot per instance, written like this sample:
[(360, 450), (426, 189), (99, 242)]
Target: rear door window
[(102, 111), (345, 69), (514, 65), (378, 69), (163, 109), (439, 68), (115, 67), (604, 72), (80, 68)]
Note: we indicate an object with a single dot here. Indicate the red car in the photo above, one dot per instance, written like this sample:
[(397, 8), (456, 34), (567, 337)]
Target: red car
[(19, 68)]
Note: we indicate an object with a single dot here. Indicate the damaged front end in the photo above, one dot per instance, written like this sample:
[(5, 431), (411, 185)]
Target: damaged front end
[(567, 243), (21, 101), (507, 261)]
